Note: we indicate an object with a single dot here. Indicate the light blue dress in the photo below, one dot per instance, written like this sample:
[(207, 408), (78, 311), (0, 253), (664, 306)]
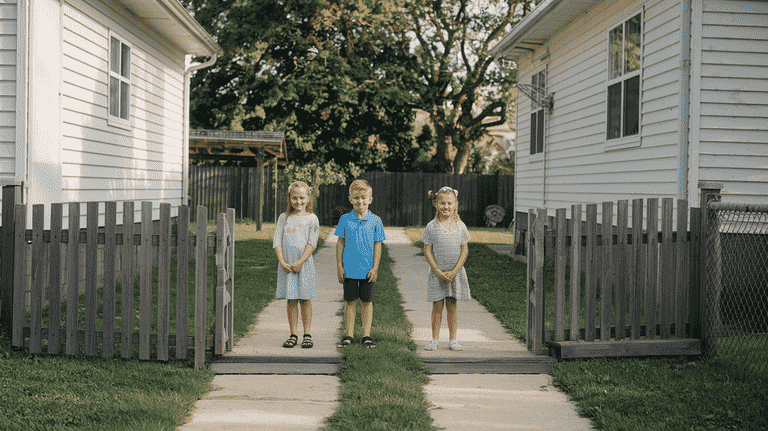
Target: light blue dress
[(293, 235), (446, 248)]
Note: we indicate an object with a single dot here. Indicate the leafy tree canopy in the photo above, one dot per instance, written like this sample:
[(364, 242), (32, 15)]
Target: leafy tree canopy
[(342, 77), (310, 68), (463, 88)]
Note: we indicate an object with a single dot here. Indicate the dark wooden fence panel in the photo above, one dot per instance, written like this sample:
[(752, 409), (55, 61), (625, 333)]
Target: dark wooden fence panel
[(221, 187), (400, 198)]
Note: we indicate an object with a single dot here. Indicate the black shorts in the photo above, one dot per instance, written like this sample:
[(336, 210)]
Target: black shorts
[(355, 288)]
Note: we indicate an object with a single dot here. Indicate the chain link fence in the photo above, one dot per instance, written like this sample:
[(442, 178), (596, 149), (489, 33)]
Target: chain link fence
[(735, 287)]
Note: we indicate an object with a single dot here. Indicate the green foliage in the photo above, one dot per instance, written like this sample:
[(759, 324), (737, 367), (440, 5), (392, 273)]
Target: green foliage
[(316, 174), (502, 166), (342, 77), (458, 82), (311, 68)]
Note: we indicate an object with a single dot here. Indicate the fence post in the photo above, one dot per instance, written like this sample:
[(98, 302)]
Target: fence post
[(19, 300), (10, 199), (201, 278), (231, 271), (260, 199), (709, 192), (536, 281), (529, 282)]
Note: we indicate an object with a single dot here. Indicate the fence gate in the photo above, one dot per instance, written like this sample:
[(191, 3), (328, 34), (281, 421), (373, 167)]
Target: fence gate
[(622, 290), (82, 289)]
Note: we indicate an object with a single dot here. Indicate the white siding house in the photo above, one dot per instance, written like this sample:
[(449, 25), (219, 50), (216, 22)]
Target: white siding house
[(94, 98), (650, 97)]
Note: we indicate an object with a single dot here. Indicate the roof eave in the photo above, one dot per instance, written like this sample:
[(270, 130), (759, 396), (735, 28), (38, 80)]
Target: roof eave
[(523, 28), (171, 20), (547, 18)]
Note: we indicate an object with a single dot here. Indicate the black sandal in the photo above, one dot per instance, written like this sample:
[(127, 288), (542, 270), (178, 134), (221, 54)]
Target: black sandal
[(291, 341), (368, 343), (346, 341), (307, 343)]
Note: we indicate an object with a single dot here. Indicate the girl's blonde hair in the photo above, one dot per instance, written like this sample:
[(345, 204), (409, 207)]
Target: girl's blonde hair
[(446, 190), (299, 185)]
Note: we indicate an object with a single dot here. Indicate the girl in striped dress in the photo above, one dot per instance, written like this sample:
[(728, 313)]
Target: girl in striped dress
[(445, 247), (294, 241)]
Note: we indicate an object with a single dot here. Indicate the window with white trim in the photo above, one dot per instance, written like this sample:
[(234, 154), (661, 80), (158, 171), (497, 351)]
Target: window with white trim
[(538, 80), (119, 82), (625, 55)]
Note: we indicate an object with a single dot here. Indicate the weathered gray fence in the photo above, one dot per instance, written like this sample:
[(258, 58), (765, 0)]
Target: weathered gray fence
[(129, 253)]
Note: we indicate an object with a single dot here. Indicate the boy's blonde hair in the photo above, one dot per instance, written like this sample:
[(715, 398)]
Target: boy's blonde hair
[(359, 185), (453, 192), (299, 185)]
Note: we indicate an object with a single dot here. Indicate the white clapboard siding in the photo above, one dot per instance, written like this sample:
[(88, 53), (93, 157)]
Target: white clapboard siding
[(102, 162), (733, 100), (577, 167), (7, 90)]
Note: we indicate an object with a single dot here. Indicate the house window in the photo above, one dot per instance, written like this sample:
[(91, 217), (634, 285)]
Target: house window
[(119, 82), (538, 80), (625, 51)]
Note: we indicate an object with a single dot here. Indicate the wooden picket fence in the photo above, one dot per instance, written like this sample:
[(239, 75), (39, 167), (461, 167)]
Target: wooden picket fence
[(648, 281), (127, 250)]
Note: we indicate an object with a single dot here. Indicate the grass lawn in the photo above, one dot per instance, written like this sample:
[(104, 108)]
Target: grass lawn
[(628, 393), (42, 392), (382, 388)]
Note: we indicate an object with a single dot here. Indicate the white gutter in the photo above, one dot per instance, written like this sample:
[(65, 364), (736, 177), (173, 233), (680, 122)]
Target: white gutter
[(185, 137)]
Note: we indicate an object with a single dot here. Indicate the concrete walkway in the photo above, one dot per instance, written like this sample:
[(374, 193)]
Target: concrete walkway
[(260, 385)]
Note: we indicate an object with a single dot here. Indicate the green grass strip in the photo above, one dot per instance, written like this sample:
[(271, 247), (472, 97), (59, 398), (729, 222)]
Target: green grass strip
[(382, 388), (664, 394), (499, 282), (627, 393)]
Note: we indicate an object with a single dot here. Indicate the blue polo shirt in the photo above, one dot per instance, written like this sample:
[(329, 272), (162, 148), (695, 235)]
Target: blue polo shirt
[(359, 236)]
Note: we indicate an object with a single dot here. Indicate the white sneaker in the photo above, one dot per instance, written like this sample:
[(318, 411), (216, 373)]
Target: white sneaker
[(432, 346), (454, 345)]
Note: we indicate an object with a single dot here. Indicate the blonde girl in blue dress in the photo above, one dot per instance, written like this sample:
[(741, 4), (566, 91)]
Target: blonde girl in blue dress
[(294, 241), (445, 248)]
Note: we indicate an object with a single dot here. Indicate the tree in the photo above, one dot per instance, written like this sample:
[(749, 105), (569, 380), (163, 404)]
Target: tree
[(458, 82), (311, 68)]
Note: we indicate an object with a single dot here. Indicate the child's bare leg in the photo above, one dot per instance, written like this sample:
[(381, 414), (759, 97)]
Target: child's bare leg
[(367, 315), (453, 316), (349, 317), (306, 315), (437, 318), (293, 314)]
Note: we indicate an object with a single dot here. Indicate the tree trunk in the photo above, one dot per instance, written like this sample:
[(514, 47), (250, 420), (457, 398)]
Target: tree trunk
[(445, 149)]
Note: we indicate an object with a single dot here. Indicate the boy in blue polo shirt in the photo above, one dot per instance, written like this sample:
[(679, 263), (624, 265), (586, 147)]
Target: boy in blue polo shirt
[(358, 253)]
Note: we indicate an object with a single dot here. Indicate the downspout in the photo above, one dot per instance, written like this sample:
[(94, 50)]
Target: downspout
[(185, 137), (685, 102)]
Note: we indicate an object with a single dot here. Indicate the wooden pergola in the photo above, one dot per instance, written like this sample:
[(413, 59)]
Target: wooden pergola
[(264, 147)]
